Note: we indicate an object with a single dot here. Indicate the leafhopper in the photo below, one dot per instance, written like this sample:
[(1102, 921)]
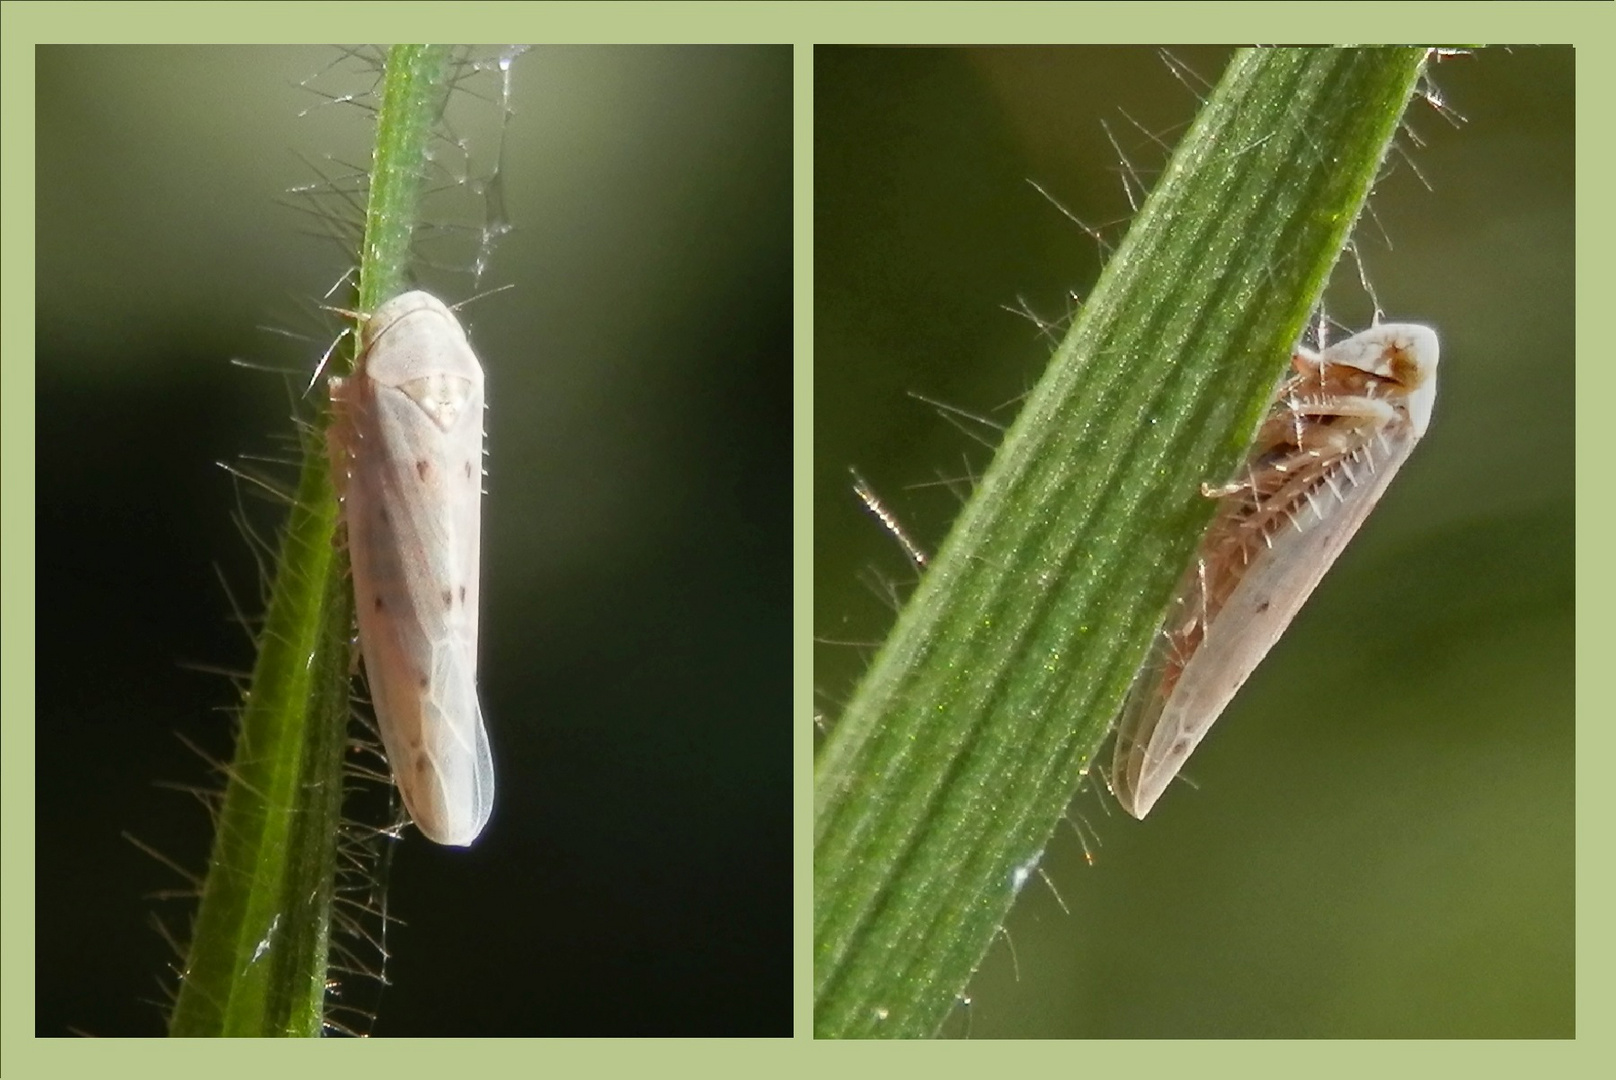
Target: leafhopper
[(407, 449), (1341, 426)]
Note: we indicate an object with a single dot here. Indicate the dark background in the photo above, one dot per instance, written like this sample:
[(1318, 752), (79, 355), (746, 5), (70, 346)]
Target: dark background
[(1380, 839), (635, 669)]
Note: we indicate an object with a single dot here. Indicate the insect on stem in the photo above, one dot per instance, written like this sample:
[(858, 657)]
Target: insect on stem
[(407, 445), (1341, 426)]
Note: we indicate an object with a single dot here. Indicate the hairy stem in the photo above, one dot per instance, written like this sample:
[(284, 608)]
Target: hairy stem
[(258, 957), (945, 777)]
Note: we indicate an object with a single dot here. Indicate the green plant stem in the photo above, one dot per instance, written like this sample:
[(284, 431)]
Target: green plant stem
[(945, 777), (258, 958)]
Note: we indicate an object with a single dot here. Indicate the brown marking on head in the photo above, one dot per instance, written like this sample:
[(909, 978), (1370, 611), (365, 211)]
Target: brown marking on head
[(1403, 367)]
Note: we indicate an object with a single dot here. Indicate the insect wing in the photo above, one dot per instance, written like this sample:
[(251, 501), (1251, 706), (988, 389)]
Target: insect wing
[(412, 501), (1219, 634)]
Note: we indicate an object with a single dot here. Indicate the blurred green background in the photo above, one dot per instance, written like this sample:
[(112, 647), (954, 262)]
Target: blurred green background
[(1379, 841), (636, 662)]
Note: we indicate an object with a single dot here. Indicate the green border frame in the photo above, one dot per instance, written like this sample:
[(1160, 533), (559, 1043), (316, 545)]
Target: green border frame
[(1592, 27)]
